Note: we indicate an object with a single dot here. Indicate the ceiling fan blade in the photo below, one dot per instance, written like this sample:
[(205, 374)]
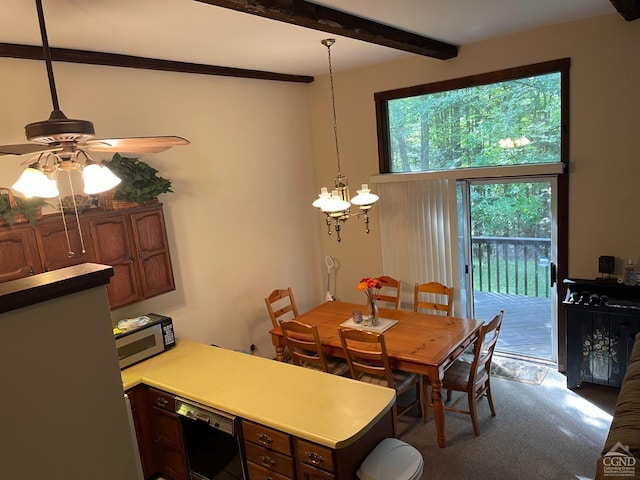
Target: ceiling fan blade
[(25, 148), (135, 144)]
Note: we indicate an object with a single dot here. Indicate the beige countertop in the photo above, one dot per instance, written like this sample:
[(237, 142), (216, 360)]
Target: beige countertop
[(326, 409)]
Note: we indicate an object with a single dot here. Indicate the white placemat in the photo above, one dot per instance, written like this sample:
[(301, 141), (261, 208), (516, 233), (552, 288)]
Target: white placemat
[(383, 324)]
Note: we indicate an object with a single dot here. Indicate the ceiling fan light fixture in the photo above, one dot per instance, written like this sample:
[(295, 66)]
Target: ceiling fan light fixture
[(34, 183), (98, 178)]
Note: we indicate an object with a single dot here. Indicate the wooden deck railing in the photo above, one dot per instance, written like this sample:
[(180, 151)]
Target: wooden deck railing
[(517, 266)]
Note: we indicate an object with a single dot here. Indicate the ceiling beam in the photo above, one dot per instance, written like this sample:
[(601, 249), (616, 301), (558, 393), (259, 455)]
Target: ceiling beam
[(30, 52), (318, 17), (629, 9)]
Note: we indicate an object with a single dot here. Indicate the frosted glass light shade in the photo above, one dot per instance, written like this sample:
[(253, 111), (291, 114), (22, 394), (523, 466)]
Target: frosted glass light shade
[(335, 204), (322, 198), (34, 183), (364, 197), (98, 179)]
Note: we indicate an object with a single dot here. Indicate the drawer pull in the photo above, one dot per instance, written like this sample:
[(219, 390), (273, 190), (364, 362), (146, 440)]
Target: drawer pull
[(162, 401), (264, 439), (314, 457), (267, 461)]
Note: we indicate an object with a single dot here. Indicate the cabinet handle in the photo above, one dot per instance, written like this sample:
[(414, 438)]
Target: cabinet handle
[(32, 271), (162, 401), (141, 255), (267, 461), (130, 258), (314, 457), (264, 439)]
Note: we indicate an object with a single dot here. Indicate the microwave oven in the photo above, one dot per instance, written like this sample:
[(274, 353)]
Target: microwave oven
[(145, 341)]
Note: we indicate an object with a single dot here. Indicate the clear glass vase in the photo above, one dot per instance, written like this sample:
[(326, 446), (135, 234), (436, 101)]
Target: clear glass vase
[(373, 318)]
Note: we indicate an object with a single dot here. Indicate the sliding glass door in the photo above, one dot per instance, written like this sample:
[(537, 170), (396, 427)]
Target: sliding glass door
[(507, 250)]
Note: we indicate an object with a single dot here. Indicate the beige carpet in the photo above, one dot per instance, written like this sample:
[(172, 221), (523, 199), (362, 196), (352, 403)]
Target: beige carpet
[(520, 371)]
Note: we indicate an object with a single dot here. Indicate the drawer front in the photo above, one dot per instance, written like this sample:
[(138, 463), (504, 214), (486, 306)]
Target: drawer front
[(269, 459), (313, 454), (267, 437), (163, 400), (257, 472), (307, 472)]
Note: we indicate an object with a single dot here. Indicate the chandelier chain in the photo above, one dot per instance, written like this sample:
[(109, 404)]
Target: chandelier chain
[(328, 44)]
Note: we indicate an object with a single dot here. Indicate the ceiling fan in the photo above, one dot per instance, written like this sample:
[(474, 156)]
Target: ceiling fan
[(65, 138)]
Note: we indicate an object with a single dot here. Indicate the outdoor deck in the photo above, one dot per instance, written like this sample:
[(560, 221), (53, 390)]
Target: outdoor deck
[(526, 326)]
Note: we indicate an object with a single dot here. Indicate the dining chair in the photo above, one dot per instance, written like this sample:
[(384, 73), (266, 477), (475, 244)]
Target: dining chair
[(305, 348), (434, 302), (366, 354), (472, 376), (281, 302), (390, 291)]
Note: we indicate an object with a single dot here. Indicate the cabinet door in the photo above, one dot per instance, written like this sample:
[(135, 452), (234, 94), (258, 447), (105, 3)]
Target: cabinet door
[(152, 248), (60, 248), (111, 236), (141, 418), (18, 253)]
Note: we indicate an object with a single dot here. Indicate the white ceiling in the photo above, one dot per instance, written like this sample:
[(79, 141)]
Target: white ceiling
[(190, 31)]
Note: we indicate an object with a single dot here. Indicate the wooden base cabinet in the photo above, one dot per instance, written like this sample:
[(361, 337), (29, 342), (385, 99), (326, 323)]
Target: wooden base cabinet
[(168, 442), (280, 456), (140, 408)]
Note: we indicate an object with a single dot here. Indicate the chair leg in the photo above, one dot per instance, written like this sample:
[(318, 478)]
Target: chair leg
[(490, 399), (472, 411)]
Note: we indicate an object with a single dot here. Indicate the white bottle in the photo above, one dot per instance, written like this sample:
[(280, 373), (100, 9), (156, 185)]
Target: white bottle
[(630, 273)]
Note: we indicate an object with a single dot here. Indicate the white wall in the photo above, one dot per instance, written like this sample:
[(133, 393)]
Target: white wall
[(605, 134), (236, 226)]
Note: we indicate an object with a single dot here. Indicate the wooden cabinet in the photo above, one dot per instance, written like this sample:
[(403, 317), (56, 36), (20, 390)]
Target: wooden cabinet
[(602, 320), (19, 255), (269, 452), (59, 248), (133, 241), (140, 408), (278, 455), (168, 442)]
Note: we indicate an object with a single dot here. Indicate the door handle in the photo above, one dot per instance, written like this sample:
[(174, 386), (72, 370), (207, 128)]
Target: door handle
[(553, 272)]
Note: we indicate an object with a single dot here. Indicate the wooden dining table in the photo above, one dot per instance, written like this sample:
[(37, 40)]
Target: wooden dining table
[(418, 343)]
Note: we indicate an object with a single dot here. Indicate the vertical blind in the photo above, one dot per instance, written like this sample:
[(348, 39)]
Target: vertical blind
[(418, 230)]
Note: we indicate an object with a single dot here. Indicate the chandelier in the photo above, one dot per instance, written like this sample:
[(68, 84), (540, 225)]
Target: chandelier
[(336, 205)]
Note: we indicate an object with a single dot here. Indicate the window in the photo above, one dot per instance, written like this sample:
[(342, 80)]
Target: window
[(511, 117)]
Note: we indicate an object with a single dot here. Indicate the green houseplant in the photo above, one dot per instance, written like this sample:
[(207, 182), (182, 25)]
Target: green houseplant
[(140, 181), (19, 210)]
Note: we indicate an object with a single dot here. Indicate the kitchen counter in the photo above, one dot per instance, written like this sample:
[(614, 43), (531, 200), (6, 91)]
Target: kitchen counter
[(326, 409)]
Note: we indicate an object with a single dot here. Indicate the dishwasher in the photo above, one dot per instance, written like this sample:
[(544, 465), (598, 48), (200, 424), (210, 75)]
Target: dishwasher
[(213, 441)]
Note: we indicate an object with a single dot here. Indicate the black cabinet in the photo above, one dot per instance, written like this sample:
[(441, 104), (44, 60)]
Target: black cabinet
[(602, 320)]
